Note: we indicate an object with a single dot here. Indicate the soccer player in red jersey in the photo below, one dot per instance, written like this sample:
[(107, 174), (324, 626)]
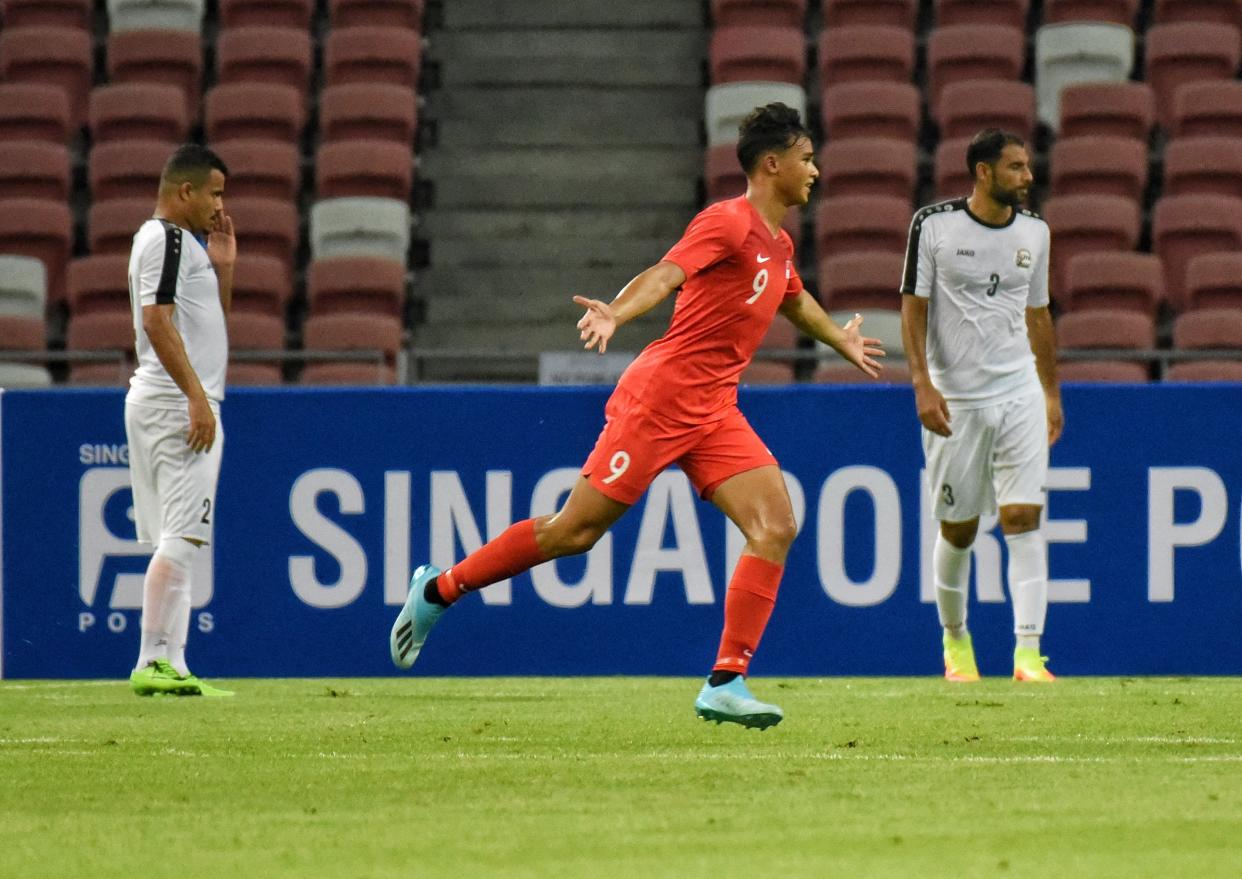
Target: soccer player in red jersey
[(677, 403)]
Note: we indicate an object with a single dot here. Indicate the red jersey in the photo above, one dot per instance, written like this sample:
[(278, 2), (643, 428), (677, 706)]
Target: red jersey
[(737, 276)]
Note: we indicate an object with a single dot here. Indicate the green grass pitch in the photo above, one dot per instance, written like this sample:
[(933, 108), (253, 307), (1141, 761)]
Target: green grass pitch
[(615, 777)]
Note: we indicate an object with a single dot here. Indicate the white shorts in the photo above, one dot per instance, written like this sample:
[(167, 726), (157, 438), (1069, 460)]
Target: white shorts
[(174, 488), (996, 455)]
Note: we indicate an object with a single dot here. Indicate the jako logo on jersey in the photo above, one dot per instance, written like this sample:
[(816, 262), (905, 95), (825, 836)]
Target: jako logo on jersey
[(1023, 258), (962, 251)]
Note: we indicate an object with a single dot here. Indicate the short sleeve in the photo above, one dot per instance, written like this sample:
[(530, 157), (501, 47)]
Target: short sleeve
[(1037, 295), (919, 267), (710, 237), (793, 281), (158, 265)]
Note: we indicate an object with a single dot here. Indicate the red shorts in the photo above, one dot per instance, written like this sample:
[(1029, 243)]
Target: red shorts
[(638, 443)]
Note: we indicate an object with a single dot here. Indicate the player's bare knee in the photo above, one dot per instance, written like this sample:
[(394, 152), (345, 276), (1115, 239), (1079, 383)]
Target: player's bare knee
[(773, 538), (1021, 519), (960, 534)]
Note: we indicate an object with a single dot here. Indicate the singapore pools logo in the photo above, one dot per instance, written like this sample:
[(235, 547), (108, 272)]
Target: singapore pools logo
[(111, 561)]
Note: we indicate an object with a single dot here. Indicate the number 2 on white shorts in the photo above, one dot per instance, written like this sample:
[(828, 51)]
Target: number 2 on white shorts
[(619, 463)]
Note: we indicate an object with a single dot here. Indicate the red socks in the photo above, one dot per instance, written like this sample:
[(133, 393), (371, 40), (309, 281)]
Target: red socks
[(513, 552), (748, 604)]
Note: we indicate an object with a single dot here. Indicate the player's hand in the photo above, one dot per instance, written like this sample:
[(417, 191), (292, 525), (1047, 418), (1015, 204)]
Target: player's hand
[(933, 410), (597, 325), (221, 243), (1056, 419), (861, 350), (202, 433)]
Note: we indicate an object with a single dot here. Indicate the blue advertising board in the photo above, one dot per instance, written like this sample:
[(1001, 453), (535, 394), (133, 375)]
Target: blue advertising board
[(328, 498)]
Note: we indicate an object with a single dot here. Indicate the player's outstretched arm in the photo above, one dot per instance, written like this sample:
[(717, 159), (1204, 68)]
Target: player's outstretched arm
[(932, 408), (636, 298), (808, 316), (1044, 345)]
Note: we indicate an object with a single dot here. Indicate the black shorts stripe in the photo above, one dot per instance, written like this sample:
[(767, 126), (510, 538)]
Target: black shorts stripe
[(166, 292)]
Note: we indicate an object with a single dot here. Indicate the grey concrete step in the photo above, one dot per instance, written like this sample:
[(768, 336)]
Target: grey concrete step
[(567, 190), (662, 223), (494, 336), (566, 252), (553, 162), (650, 14), (568, 129), (515, 281), (541, 105)]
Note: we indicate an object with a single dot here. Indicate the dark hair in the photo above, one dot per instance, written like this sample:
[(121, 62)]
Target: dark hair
[(987, 146), (191, 163), (771, 127)]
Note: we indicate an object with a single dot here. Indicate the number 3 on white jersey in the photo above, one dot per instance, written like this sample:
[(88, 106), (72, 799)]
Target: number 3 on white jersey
[(758, 285), (619, 464)]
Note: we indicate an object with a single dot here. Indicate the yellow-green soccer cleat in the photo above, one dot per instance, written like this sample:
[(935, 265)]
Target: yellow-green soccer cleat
[(206, 689), (158, 678), (1028, 665), (959, 660)]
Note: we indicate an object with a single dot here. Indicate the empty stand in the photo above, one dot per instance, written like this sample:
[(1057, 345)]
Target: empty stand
[(867, 109), (841, 373), (261, 286), (33, 111), (111, 224), (1185, 226), (277, 55), (775, 13), (161, 15), (1010, 13), (972, 51), (254, 111), (372, 54), (98, 283), (1087, 223), (1113, 11), (60, 56), (868, 166), (374, 168), (1117, 280), (363, 285), (266, 227), (138, 111), (252, 331), (21, 333), (1120, 371), (767, 372), (1122, 109), (104, 330), (763, 54), (722, 174), (1067, 54), (266, 13), (42, 229), (1214, 280), (861, 281), (865, 53), (33, 169), (1205, 371), (347, 374), (1099, 166), (952, 178), (166, 57), (261, 169), (1207, 109), (360, 227), (368, 111), (346, 331), (1211, 165), (1227, 12), (376, 13), (251, 374), (725, 106), (843, 13), (48, 13), (855, 223), (1204, 330), (969, 106), (23, 288), (127, 169), (1186, 52), (1102, 328)]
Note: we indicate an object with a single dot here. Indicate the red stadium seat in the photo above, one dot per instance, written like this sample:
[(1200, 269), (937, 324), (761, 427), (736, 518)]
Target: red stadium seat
[(277, 55), (1214, 280), (98, 283), (953, 179), (1185, 226), (1110, 109), (111, 224), (844, 13), (767, 372), (33, 169), (781, 335), (722, 174), (856, 281), (969, 106), (376, 13), (266, 227), (111, 329), (358, 284), (838, 372), (972, 51), (376, 168), (372, 54), (254, 111), (1099, 166), (60, 56), (865, 53), (1207, 109), (19, 333), (261, 169), (868, 166), (261, 286), (1088, 223), (1105, 328), (42, 229), (771, 13), (856, 223), (126, 169), (266, 13), (48, 13), (757, 54), (1010, 13), (164, 57), (351, 332), (250, 374), (347, 374), (1206, 371), (1216, 328), (368, 111), (32, 111), (1211, 165), (871, 109), (1110, 11), (255, 331), (1185, 52), (1103, 371), (1227, 12), (1116, 280), (138, 111)]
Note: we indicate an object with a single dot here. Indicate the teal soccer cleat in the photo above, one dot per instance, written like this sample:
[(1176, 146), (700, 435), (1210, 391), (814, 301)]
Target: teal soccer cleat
[(733, 703), (417, 617)]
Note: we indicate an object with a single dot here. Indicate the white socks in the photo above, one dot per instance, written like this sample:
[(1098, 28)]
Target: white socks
[(166, 603), (952, 567), (1028, 585)]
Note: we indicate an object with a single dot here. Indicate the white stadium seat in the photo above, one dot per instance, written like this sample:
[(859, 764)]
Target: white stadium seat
[(360, 226), (1067, 54), (728, 104)]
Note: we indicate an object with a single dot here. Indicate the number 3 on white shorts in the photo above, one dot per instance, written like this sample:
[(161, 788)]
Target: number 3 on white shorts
[(619, 464)]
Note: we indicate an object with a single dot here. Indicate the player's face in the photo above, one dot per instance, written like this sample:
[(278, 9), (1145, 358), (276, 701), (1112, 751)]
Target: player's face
[(797, 172), (1011, 176), (206, 202)]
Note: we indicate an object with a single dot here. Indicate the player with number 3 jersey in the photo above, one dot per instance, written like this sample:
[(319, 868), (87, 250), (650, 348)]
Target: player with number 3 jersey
[(677, 404)]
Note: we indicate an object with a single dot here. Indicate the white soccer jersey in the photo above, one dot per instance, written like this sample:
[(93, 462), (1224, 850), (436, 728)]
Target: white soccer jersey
[(979, 280), (169, 266)]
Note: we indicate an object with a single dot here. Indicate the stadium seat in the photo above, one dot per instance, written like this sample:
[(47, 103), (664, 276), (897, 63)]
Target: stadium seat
[(359, 284), (972, 51), (1227, 12), (252, 374), (166, 57), (255, 331), (1010, 13), (861, 281), (59, 56), (33, 111), (24, 375), (372, 54), (266, 227), (722, 174), (1203, 330), (868, 166), (23, 286), (34, 169), (254, 111), (1067, 54), (767, 372), (1207, 109), (368, 111), (276, 55), (41, 229), (845, 13), (1088, 223), (1120, 109), (1185, 226), (781, 336), (156, 15), (107, 330), (127, 168), (111, 224), (361, 374), (725, 106), (21, 333), (952, 178), (838, 372), (48, 13), (757, 54), (865, 53), (261, 169), (360, 227), (374, 168), (1205, 371), (1214, 280), (1119, 371), (138, 111), (266, 13), (1111, 11), (376, 13), (871, 109), (1099, 166), (349, 331), (969, 106), (97, 283), (1185, 52), (261, 286), (857, 223), (747, 13), (1117, 280), (1211, 165), (1098, 328)]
